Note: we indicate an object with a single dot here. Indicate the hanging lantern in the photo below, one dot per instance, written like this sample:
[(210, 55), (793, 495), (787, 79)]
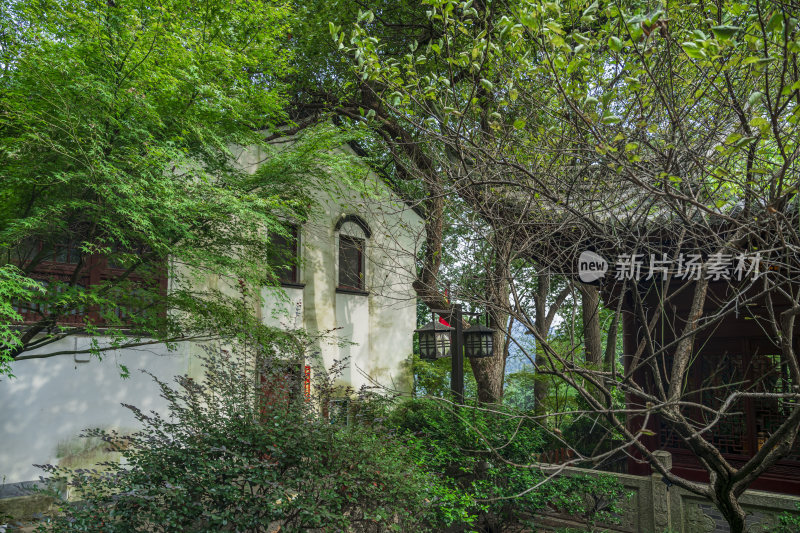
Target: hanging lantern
[(478, 341), (434, 340)]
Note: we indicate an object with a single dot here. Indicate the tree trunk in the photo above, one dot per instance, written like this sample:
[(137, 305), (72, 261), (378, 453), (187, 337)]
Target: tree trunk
[(489, 372), (541, 385), (592, 338), (728, 505)]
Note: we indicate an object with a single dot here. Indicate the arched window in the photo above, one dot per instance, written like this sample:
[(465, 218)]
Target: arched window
[(353, 233)]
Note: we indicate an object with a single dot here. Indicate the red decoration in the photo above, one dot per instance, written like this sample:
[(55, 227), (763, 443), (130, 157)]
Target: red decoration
[(307, 383)]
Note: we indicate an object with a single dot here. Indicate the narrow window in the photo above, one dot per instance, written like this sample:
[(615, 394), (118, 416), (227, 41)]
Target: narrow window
[(66, 253), (351, 263), (284, 255)]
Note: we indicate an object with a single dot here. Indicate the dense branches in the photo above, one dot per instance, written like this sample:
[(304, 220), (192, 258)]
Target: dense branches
[(610, 128)]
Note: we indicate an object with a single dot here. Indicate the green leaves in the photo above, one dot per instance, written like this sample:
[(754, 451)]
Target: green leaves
[(755, 98), (239, 453), (758, 62), (580, 38), (15, 289), (452, 447), (775, 22), (725, 32), (123, 127), (693, 50), (591, 10), (555, 27)]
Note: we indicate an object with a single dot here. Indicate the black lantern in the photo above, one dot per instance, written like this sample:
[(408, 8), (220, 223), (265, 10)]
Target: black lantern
[(478, 341), (434, 340)]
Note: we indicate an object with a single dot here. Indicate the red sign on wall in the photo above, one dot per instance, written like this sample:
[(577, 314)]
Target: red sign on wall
[(307, 383)]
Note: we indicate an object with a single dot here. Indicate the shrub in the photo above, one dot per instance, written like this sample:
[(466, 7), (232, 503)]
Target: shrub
[(485, 456), (432, 377), (232, 456), (789, 522), (236, 454)]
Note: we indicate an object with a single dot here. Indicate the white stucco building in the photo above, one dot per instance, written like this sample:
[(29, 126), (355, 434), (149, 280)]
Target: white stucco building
[(357, 261)]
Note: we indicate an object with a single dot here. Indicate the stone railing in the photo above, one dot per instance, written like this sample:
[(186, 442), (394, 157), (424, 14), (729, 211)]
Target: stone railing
[(655, 507)]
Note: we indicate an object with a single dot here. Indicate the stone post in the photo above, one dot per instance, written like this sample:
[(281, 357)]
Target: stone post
[(662, 512)]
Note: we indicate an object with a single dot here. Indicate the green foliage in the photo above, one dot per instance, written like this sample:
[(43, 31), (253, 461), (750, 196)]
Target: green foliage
[(518, 390), (588, 79), (432, 378), (567, 338), (484, 458), (789, 522), (235, 455), (13, 286), (121, 127), (594, 499)]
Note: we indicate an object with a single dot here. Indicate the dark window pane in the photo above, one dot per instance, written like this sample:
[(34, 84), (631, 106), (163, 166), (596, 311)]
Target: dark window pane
[(66, 253), (721, 376), (339, 411), (134, 304), (351, 266), (74, 254), (61, 254), (96, 269), (283, 256)]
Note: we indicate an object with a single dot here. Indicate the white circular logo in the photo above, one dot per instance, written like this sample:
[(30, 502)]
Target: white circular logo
[(591, 267)]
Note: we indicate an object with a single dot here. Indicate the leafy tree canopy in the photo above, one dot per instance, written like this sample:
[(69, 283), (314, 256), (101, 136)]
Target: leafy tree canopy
[(119, 128), (623, 127)]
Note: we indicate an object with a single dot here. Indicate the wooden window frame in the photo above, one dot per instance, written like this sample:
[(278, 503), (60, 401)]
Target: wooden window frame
[(94, 269), (360, 245), (294, 268)]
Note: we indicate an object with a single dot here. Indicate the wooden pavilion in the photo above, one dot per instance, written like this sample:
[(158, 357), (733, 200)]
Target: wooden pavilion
[(736, 348)]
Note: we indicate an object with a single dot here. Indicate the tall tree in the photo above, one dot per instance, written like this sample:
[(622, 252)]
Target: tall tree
[(623, 130), (328, 86), (119, 123)]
